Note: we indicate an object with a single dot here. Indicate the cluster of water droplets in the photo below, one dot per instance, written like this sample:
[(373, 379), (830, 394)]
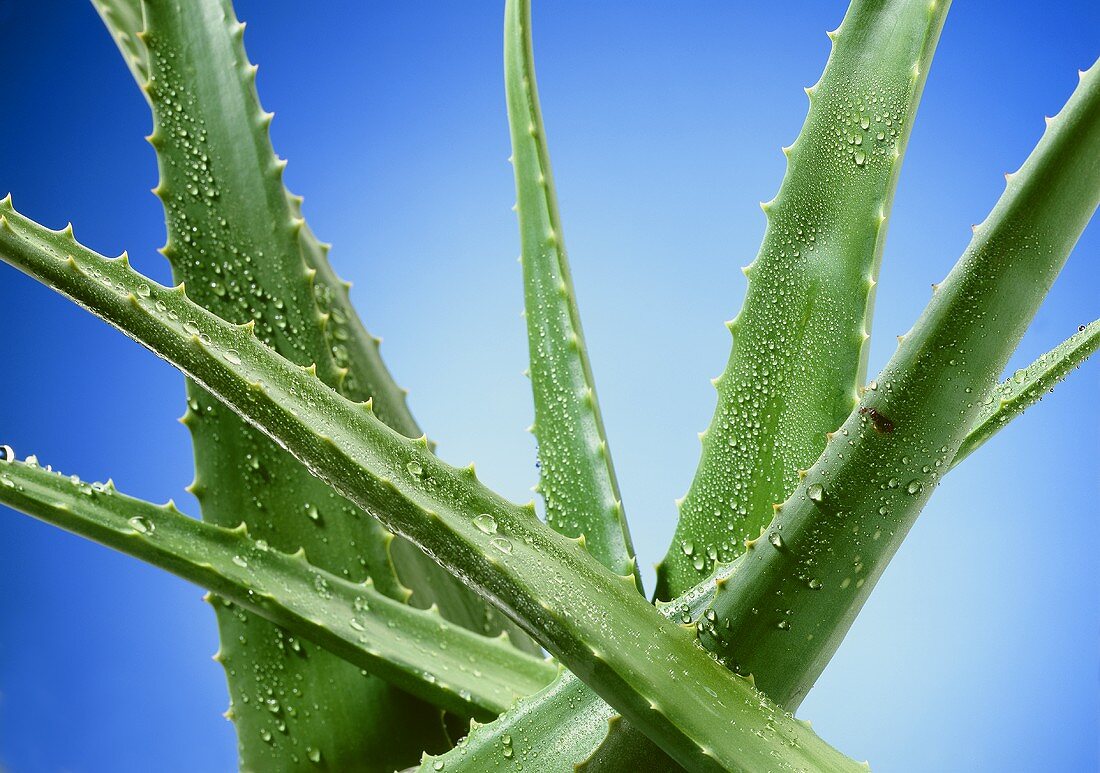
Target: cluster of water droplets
[(867, 124), (219, 258)]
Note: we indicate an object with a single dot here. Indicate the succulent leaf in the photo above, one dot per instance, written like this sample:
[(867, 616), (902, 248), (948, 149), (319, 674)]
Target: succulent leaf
[(568, 726), (800, 340), (233, 236), (577, 479), (414, 650), (627, 749), (1028, 385), (810, 289), (797, 592), (355, 351), (594, 622), (799, 350), (123, 20), (365, 377)]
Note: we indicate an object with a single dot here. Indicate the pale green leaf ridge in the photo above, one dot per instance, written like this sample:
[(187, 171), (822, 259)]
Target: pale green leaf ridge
[(576, 476), (800, 340), (1028, 385), (801, 585), (413, 649)]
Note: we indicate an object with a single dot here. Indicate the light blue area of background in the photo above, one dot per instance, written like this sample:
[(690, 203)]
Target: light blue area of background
[(978, 650)]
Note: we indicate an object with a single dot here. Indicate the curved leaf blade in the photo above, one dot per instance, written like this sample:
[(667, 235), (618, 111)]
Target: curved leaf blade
[(415, 650), (800, 340), (233, 237), (797, 592), (364, 375), (577, 478), (1028, 385), (595, 623)]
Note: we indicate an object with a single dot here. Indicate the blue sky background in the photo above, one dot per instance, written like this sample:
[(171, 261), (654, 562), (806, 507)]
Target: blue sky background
[(978, 650)]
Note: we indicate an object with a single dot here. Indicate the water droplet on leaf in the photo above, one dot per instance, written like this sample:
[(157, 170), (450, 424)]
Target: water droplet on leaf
[(486, 523), (142, 525)]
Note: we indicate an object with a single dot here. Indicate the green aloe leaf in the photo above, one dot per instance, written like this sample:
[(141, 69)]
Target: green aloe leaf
[(1028, 385), (793, 599), (594, 622), (413, 649), (800, 340), (624, 747), (808, 309), (234, 239), (567, 725), (577, 479), (351, 346), (123, 20)]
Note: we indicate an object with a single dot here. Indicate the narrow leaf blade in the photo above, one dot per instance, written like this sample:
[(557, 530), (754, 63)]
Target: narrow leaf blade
[(577, 478), (415, 650), (798, 591), (1028, 385), (800, 341), (234, 239)]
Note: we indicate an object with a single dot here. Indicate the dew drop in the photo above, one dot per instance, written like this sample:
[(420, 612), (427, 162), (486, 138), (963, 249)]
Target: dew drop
[(486, 523), (414, 468), (7, 454), (915, 486), (142, 525), (232, 356), (501, 544), (816, 492)]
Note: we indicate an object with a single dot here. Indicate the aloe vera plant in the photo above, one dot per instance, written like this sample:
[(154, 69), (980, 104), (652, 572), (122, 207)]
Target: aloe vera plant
[(372, 599)]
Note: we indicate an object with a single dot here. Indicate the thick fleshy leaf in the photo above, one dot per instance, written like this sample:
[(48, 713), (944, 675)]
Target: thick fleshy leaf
[(800, 340), (800, 587), (352, 347), (415, 650), (234, 238), (576, 477), (1028, 385), (594, 622)]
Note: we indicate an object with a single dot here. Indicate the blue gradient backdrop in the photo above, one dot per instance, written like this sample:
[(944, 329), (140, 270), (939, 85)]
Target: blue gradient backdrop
[(979, 649)]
